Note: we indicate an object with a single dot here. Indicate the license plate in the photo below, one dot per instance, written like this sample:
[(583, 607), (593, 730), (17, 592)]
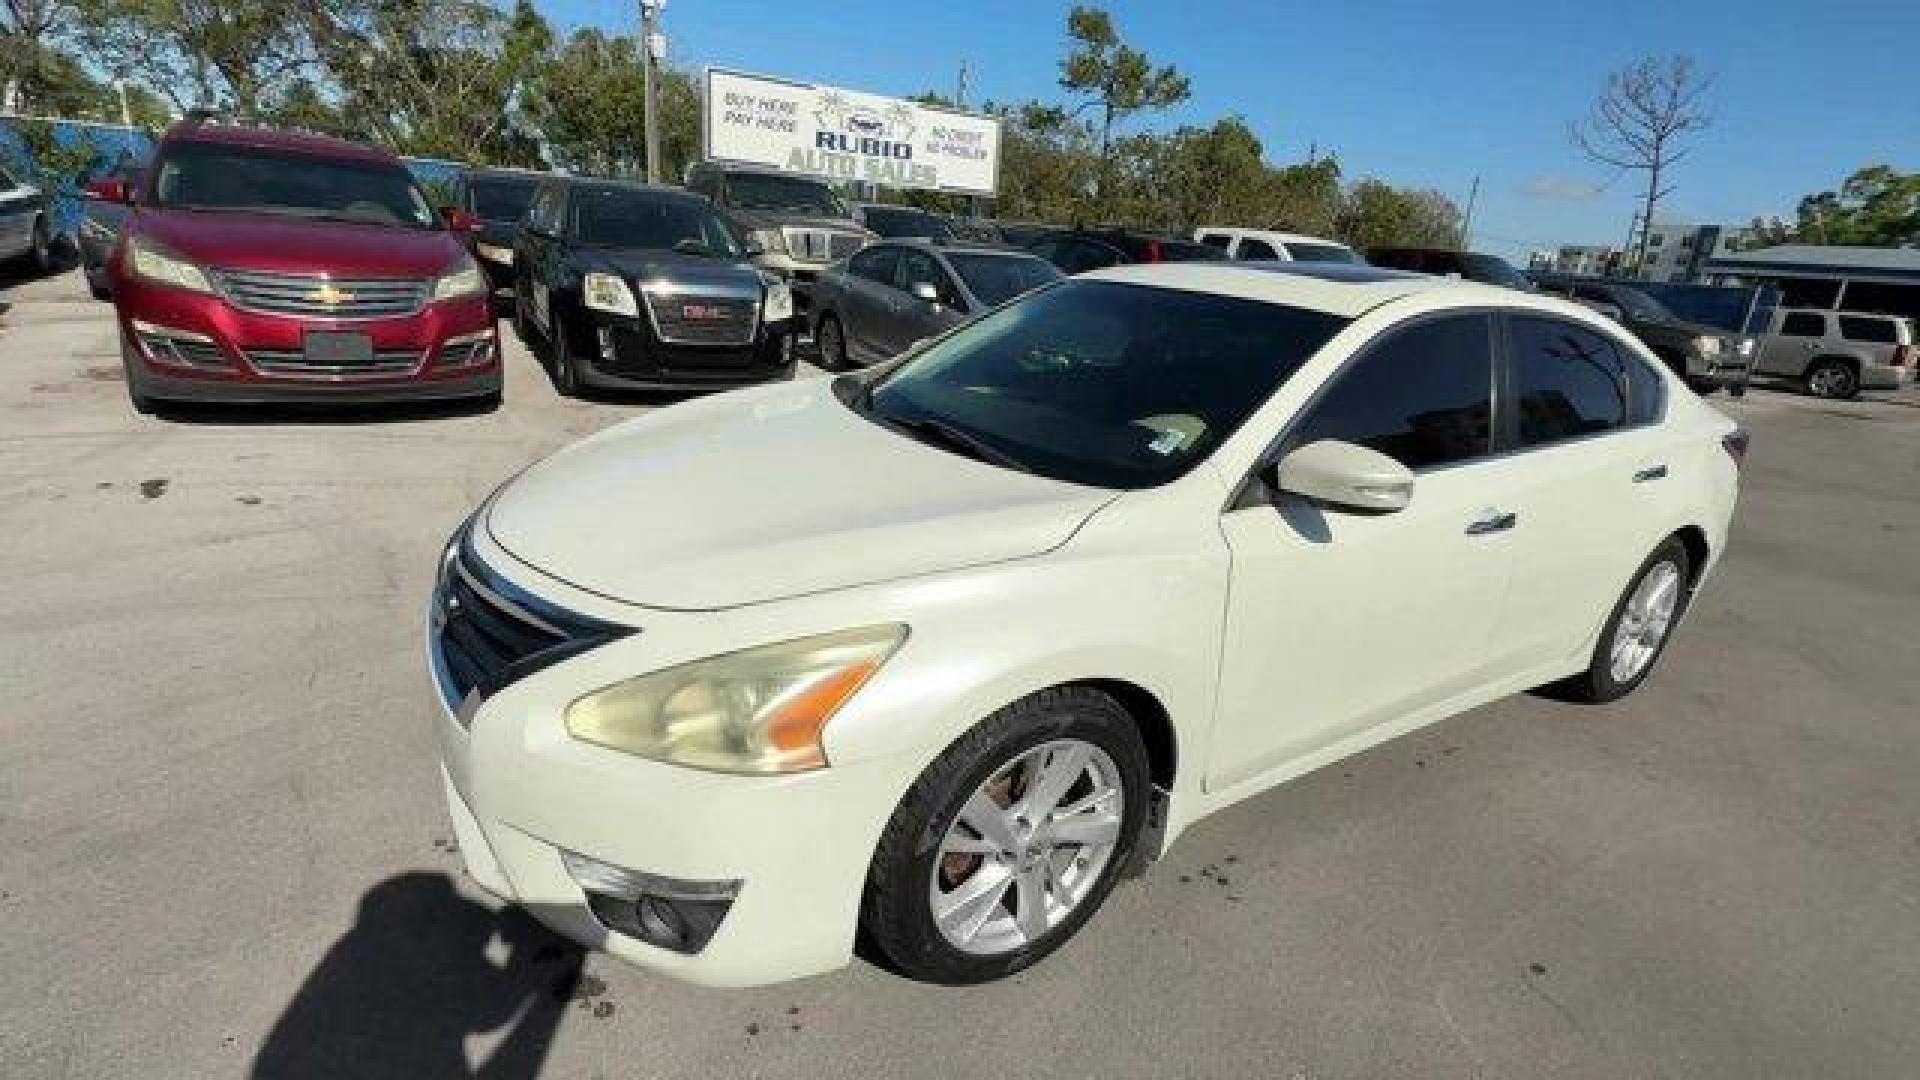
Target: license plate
[(338, 350)]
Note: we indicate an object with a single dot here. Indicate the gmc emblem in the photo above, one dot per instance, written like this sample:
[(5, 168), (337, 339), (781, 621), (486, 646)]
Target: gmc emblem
[(702, 311)]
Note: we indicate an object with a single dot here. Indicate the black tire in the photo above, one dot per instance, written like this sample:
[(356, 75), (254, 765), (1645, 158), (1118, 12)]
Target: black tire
[(521, 325), (142, 404), (41, 258), (896, 910), (100, 290), (561, 361), (1597, 684), (831, 340), (1833, 379)]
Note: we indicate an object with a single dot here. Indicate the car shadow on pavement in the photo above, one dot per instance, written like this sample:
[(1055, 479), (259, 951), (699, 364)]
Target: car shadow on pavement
[(404, 990), (319, 415)]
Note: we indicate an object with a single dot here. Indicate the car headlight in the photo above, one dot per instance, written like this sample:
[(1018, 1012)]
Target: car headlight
[(758, 711), (770, 240), (155, 265), (466, 281), (495, 253), (1746, 346), (1707, 345), (779, 300), (607, 292)]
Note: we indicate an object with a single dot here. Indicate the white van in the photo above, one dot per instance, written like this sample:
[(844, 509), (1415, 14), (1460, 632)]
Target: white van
[(1264, 245)]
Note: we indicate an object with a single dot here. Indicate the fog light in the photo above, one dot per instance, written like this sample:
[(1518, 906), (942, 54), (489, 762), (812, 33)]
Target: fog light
[(670, 913)]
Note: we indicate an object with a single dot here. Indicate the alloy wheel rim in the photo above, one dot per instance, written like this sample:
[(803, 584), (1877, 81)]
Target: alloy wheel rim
[(1644, 625), (1830, 381), (1027, 847)]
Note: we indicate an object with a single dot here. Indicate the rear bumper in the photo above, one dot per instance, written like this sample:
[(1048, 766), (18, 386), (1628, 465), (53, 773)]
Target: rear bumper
[(1884, 377)]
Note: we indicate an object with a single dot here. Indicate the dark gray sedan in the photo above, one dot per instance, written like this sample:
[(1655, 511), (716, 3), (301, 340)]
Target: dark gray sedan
[(891, 294)]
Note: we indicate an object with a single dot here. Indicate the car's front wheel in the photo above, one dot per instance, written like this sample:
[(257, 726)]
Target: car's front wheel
[(1832, 379), (833, 344), (1013, 837)]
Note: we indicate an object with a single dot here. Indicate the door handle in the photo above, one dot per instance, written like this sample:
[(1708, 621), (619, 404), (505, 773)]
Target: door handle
[(1651, 472), (1492, 521)]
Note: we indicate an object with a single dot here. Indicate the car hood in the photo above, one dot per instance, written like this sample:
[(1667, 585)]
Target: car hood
[(689, 272), (288, 245), (769, 493)]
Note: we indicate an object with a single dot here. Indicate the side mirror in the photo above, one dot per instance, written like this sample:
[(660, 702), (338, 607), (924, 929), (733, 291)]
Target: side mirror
[(460, 221), (1344, 475), (928, 291), (108, 190)]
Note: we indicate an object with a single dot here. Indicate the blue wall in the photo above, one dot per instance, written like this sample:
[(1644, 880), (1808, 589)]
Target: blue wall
[(109, 141)]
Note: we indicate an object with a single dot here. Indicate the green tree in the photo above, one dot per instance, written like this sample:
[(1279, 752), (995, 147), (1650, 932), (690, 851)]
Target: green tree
[(589, 103), (1377, 214), (1047, 164), (231, 54), (1878, 206), (1117, 80)]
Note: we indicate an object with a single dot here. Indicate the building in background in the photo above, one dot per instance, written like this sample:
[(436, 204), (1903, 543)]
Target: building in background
[(1577, 260), (1883, 280), (1679, 252)]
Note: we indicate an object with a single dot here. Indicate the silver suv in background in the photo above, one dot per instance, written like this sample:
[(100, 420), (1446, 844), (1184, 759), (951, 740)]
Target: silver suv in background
[(890, 295), (794, 226), (1836, 354)]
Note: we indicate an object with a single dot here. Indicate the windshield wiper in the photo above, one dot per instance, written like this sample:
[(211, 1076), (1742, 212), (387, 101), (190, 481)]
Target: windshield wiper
[(939, 433)]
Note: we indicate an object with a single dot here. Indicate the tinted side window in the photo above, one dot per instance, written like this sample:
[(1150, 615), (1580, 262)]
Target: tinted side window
[(1804, 324), (876, 264), (1214, 239), (1855, 328), (1567, 381), (917, 267), (1646, 390), (1423, 396), (1076, 256), (1257, 249)]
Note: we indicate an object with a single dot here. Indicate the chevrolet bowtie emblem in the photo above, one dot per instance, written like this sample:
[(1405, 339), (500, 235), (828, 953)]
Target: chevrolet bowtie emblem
[(330, 296)]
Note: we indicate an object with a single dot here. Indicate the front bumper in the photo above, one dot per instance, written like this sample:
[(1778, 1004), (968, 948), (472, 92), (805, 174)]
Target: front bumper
[(624, 353), (521, 792), (245, 357)]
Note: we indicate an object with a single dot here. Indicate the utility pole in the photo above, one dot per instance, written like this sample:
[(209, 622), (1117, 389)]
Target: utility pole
[(126, 114), (1466, 221), (960, 90), (653, 46)]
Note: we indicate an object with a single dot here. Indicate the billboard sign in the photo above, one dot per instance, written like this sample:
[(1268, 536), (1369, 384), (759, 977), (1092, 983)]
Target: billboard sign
[(843, 135)]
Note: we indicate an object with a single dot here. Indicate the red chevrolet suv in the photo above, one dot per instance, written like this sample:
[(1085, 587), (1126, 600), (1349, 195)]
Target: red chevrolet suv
[(257, 265)]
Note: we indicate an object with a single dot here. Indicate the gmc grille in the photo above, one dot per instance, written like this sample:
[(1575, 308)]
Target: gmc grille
[(488, 633), (321, 297), (686, 319)]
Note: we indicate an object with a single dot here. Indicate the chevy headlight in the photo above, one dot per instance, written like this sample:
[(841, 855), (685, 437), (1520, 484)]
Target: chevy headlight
[(495, 253), (466, 281), (758, 711), (770, 240), (607, 292), (151, 263), (1707, 344), (779, 300)]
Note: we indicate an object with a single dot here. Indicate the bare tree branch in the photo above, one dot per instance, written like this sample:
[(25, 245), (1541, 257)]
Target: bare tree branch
[(1639, 121)]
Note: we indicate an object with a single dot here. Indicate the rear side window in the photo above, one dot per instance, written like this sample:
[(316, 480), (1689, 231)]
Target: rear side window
[(1321, 253), (1258, 249), (876, 264), (1567, 381), (1422, 396), (1804, 324), (1860, 328), (1218, 240)]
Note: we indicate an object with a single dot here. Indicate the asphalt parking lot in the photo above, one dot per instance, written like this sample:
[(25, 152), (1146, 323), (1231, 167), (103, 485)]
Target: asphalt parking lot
[(225, 851)]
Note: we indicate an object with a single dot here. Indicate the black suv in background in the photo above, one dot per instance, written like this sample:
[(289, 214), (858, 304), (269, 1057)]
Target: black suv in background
[(1707, 358), (498, 198), (902, 222), (1076, 251), (794, 226), (628, 285), (1445, 262)]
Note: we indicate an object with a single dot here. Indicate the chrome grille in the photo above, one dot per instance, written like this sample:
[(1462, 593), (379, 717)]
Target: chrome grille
[(294, 363), (697, 319), (317, 297), (822, 245), (487, 633)]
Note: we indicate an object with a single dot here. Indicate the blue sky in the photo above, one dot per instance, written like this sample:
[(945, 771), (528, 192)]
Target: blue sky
[(1420, 93)]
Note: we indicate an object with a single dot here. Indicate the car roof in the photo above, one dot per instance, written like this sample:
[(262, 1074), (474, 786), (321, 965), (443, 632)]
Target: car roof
[(941, 243), (1270, 234), (1345, 289), (671, 190), (266, 138), (508, 171)]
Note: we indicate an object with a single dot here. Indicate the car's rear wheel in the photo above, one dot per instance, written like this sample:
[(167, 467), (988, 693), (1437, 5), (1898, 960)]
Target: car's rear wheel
[(832, 342), (1010, 841), (1636, 634), (1832, 379)]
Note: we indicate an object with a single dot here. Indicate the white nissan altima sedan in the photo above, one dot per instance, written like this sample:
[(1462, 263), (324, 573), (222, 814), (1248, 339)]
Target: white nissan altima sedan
[(945, 649)]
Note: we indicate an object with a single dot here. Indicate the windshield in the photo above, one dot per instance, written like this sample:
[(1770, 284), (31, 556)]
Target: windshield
[(1641, 307), (787, 194), (1096, 382), (501, 198), (632, 218), (1494, 270), (203, 176), (1332, 253), (904, 221), (996, 279)]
